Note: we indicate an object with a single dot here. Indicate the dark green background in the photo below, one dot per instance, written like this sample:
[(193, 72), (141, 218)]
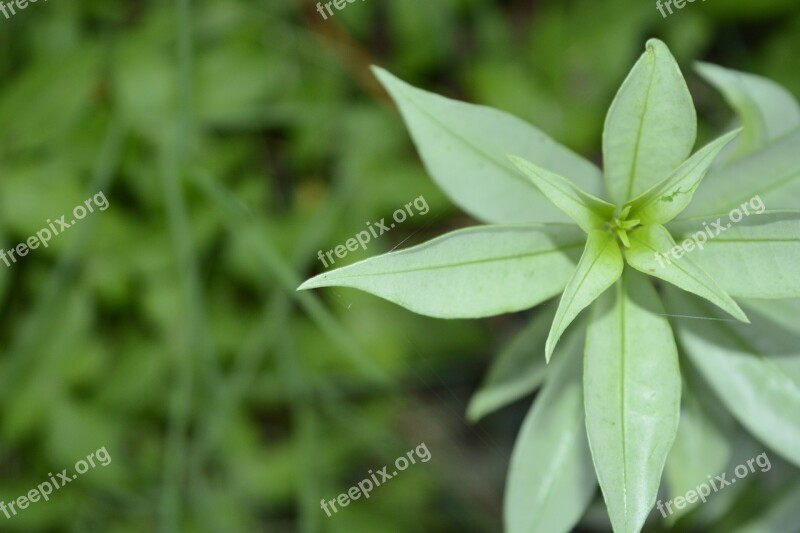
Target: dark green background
[(234, 140)]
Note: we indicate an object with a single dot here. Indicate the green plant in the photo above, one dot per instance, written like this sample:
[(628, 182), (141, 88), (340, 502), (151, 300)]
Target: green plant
[(630, 394)]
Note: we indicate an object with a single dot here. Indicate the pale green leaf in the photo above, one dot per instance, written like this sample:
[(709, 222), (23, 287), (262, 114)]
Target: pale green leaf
[(588, 211), (776, 335), (756, 257), (550, 479), (700, 448), (649, 253), (518, 370), (766, 110), (780, 514), (464, 149), (783, 312), (600, 266), (651, 126), (668, 198), (470, 273), (760, 394), (632, 386), (771, 175)]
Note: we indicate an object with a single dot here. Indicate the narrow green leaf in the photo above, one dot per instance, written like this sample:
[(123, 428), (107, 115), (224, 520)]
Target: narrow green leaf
[(756, 257), (700, 448), (550, 479), (775, 335), (463, 147), (783, 312), (632, 389), (762, 395), (600, 266), (651, 126), (766, 110), (781, 514), (470, 273), (666, 199), (588, 211), (518, 370), (772, 175), (649, 253)]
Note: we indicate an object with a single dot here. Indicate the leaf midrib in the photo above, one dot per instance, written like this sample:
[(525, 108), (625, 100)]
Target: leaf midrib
[(704, 283), (777, 184), (569, 441), (466, 263), (751, 349), (759, 241), (622, 297), (609, 242), (672, 184), (635, 161), (495, 161)]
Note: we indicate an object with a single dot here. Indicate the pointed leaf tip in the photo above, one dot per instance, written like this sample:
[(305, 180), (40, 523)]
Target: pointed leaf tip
[(587, 210), (462, 147), (651, 126), (600, 266)]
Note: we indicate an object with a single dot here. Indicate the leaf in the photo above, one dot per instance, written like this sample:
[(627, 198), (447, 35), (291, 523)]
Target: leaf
[(550, 479), (649, 253), (470, 273), (772, 175), (518, 369), (588, 211), (632, 391), (775, 335), (700, 448), (463, 147), (651, 126), (783, 312), (767, 111), (756, 257), (760, 394), (667, 199), (600, 266), (781, 514)]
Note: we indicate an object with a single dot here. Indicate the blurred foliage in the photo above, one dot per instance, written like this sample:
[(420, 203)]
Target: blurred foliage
[(234, 140)]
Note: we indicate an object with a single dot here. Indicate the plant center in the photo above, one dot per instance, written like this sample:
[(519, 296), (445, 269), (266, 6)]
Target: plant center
[(620, 226)]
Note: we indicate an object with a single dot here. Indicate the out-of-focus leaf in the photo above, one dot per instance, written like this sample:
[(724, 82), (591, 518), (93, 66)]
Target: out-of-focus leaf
[(32, 111), (771, 175), (762, 396), (700, 449), (766, 110), (783, 514), (550, 479), (517, 370), (753, 258)]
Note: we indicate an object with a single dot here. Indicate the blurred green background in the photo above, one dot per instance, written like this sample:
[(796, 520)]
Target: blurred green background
[(234, 140)]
